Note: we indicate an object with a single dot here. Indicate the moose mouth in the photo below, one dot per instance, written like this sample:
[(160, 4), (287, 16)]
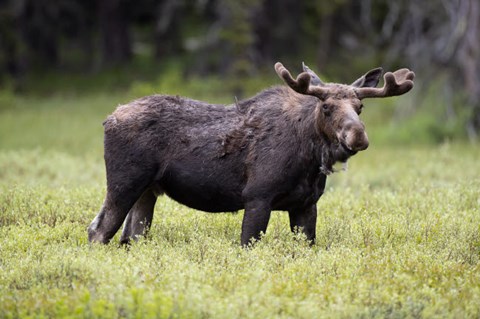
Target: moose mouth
[(338, 152), (343, 152)]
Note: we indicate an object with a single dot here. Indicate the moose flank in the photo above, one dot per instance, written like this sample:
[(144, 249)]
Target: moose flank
[(269, 152)]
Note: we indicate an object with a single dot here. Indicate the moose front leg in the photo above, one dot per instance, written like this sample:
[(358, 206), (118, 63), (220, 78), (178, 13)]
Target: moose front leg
[(305, 220), (255, 220)]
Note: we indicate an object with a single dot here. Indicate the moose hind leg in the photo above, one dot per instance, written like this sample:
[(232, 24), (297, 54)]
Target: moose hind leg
[(139, 219), (119, 200), (304, 220)]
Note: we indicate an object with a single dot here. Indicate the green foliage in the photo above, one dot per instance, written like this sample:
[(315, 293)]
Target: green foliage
[(7, 99), (398, 234), (172, 82), (114, 79), (396, 239)]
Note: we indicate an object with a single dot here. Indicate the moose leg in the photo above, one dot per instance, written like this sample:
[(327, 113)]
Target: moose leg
[(139, 218), (255, 220), (305, 220), (121, 196)]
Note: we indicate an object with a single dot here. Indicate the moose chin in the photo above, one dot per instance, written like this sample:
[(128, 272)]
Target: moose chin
[(270, 152)]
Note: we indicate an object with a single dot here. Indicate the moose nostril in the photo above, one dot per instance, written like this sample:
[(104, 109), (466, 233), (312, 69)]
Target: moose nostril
[(363, 145), (355, 139)]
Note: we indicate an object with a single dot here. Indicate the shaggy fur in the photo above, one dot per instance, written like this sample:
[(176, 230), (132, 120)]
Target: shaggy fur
[(270, 152)]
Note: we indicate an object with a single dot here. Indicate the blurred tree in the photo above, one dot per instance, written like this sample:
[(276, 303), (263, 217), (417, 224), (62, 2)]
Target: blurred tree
[(78, 28), (436, 38), (232, 37), (40, 21), (236, 38), (167, 30), (469, 58), (278, 30), (114, 29), (11, 58)]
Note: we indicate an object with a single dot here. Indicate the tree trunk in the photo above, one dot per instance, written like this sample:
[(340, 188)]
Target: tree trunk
[(114, 33), (167, 28), (470, 63)]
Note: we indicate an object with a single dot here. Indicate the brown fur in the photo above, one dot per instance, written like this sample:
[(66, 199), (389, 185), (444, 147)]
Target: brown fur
[(269, 152)]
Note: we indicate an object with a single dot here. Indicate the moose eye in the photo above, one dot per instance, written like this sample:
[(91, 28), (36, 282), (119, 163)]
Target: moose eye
[(326, 108)]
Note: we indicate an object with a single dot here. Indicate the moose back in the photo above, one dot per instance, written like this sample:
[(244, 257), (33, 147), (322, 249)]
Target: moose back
[(269, 152)]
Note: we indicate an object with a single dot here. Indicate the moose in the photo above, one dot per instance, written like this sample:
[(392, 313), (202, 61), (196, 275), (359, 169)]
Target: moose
[(269, 152)]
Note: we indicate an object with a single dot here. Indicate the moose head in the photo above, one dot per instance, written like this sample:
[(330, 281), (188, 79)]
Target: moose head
[(339, 105)]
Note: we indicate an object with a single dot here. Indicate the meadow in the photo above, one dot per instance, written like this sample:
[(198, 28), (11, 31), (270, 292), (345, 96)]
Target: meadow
[(398, 233)]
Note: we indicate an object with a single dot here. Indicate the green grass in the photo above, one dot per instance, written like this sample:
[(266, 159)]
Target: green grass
[(398, 234)]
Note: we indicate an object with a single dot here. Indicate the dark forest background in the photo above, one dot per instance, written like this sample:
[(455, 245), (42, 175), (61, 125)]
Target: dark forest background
[(240, 40)]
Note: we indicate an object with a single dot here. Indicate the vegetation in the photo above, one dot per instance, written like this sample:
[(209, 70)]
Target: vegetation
[(398, 233)]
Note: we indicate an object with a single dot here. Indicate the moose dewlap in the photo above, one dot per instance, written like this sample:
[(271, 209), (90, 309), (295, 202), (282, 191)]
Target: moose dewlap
[(269, 152)]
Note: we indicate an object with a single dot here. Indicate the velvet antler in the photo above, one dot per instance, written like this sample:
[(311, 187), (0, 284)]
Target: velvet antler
[(396, 83), (302, 83), (307, 82)]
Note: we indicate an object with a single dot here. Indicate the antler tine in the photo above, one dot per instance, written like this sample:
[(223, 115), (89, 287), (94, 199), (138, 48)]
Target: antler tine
[(396, 83), (301, 84)]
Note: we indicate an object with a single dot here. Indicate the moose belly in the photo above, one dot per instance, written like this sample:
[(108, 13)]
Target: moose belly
[(204, 188)]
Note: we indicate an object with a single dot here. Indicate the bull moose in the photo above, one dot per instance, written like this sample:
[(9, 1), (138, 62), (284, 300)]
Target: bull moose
[(269, 152)]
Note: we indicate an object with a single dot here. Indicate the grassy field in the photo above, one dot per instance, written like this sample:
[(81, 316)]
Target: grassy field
[(398, 235)]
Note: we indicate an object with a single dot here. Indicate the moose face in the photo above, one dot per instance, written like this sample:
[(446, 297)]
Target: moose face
[(340, 105), (338, 119)]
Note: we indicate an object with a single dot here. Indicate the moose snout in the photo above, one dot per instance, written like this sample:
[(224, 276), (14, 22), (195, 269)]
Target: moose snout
[(354, 137)]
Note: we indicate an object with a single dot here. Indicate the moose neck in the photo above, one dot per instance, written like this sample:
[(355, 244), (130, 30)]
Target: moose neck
[(281, 110), (324, 150)]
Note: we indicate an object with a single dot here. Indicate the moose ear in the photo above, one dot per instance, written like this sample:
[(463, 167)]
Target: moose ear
[(314, 79), (369, 79)]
